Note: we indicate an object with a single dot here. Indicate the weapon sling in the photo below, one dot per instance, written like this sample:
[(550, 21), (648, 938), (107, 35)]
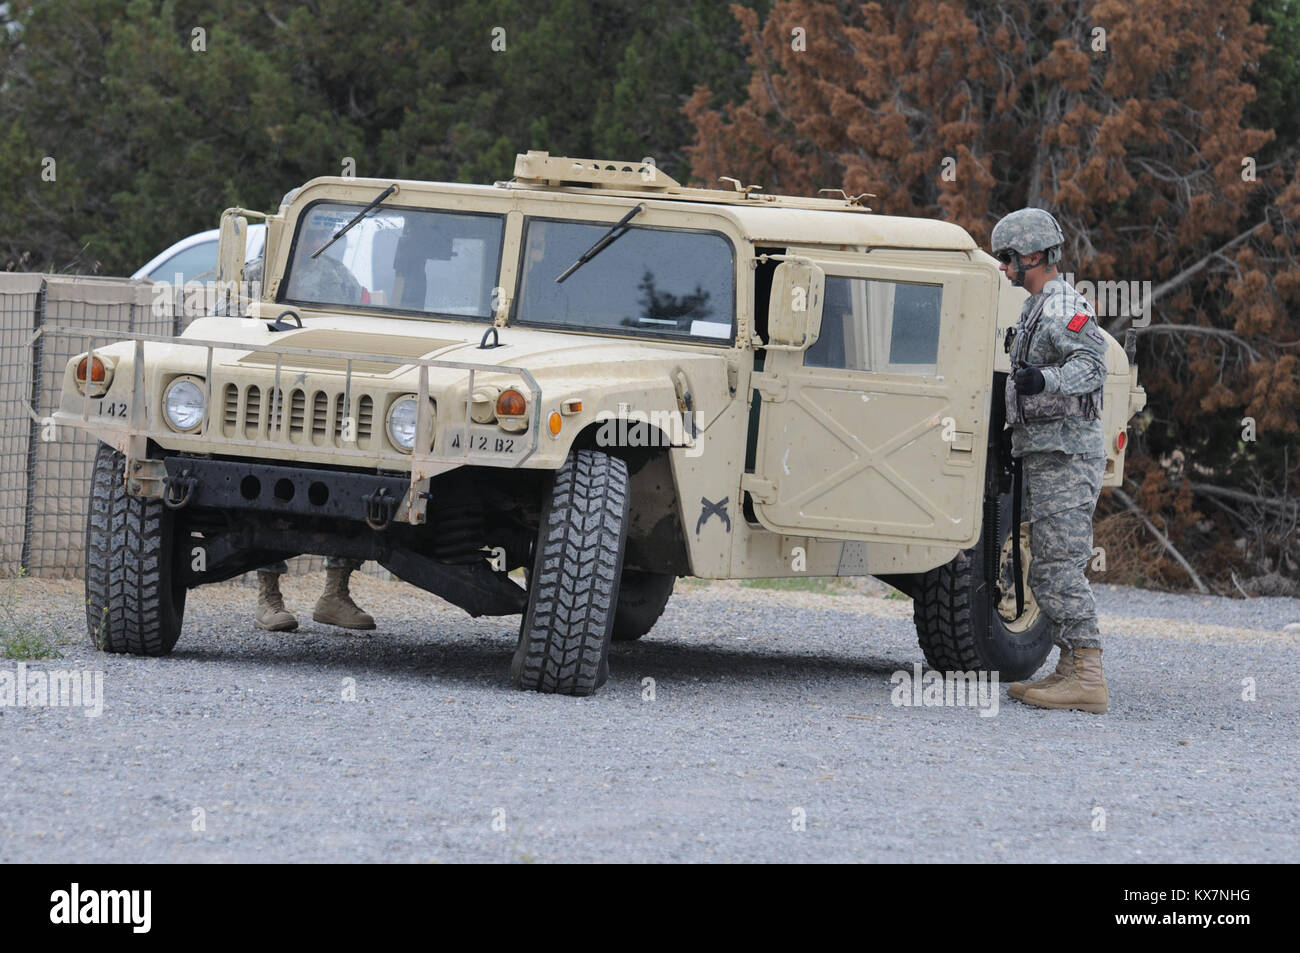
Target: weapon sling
[(1017, 483)]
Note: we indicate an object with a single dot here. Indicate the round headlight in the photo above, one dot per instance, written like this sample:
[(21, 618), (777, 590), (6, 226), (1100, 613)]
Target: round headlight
[(183, 403), (483, 406), (402, 416)]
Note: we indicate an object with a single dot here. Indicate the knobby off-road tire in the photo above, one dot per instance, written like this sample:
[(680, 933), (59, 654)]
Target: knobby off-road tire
[(641, 600), (573, 588), (132, 602), (956, 611)]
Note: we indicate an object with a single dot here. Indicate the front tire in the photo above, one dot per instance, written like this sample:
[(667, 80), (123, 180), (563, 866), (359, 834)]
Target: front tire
[(573, 588), (965, 624), (134, 604)]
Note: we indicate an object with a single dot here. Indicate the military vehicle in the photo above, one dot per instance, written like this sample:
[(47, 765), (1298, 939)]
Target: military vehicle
[(589, 373)]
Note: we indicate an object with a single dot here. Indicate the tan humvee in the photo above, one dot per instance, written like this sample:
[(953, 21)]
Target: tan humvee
[(592, 373)]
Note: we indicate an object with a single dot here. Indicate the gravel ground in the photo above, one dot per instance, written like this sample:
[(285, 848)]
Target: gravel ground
[(770, 708)]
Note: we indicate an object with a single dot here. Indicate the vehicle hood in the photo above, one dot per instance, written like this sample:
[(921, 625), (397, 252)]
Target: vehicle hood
[(572, 363)]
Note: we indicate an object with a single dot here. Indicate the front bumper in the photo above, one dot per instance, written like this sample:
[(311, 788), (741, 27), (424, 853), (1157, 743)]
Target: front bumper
[(373, 499)]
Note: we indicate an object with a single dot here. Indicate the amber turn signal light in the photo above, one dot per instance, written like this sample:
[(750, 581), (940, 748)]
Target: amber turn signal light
[(511, 403), (555, 423), (97, 371)]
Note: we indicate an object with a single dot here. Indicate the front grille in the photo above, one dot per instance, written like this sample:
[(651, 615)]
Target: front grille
[(230, 409), (319, 411), (365, 415), (252, 412), (297, 411), (300, 417)]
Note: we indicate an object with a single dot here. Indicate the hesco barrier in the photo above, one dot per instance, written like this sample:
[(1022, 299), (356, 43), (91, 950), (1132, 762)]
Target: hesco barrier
[(44, 483)]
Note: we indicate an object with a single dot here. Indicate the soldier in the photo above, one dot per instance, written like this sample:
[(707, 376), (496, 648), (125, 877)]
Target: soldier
[(326, 280), (322, 279), (1053, 399), (334, 607)]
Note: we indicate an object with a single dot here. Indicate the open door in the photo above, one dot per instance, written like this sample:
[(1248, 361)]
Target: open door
[(875, 427)]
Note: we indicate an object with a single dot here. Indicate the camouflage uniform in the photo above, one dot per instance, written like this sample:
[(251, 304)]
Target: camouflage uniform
[(1058, 435), (323, 279)]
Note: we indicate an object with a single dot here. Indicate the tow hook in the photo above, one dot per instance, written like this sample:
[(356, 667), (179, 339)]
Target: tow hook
[(379, 508), (180, 489)]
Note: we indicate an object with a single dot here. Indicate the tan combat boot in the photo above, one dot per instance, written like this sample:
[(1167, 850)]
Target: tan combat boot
[(1084, 689), (271, 613), (1064, 666), (335, 606)]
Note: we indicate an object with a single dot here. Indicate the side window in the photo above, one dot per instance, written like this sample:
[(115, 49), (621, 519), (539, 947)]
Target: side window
[(885, 327), (194, 262)]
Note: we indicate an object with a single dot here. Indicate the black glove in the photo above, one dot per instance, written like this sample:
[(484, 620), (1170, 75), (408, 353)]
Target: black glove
[(1029, 381)]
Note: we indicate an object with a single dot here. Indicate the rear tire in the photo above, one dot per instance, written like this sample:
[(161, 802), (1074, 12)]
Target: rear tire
[(641, 600), (963, 623), (133, 603), (573, 588)]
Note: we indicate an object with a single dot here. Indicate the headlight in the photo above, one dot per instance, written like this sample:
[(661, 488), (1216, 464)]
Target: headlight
[(401, 423), (403, 418), (483, 405), (183, 403)]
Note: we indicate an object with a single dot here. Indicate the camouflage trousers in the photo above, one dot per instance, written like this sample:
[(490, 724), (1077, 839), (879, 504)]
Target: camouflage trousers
[(1062, 491), (331, 562)]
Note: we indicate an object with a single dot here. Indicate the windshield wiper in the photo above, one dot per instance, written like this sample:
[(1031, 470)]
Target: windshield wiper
[(614, 234), (358, 217)]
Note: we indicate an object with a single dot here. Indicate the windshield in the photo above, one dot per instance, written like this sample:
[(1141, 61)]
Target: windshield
[(652, 282), (397, 259)]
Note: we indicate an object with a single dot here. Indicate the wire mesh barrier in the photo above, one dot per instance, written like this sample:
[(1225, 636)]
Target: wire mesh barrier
[(59, 457), (45, 470), (19, 301)]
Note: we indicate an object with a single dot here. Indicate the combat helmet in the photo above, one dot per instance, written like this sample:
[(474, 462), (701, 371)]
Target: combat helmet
[(1023, 232)]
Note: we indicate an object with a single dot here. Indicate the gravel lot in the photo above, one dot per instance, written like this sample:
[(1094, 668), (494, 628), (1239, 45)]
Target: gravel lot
[(769, 707)]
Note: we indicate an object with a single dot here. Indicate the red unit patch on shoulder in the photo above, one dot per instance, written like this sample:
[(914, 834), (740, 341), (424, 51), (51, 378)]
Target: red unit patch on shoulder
[(1077, 322)]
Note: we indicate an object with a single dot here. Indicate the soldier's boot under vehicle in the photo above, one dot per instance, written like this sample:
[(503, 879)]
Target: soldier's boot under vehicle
[(271, 613), (1064, 666), (1084, 689), (335, 606)]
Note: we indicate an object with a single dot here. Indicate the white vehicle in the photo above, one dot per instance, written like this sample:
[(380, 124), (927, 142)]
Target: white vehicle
[(195, 258)]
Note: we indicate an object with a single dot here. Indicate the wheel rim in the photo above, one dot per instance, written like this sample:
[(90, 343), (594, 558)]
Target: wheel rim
[(1007, 587)]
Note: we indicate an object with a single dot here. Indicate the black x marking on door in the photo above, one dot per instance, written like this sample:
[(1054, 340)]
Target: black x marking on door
[(707, 510)]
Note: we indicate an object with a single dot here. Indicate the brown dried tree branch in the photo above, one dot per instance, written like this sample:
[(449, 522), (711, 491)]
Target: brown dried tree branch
[(1164, 540)]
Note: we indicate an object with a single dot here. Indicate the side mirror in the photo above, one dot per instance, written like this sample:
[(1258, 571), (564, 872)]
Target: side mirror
[(232, 247), (794, 310)]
